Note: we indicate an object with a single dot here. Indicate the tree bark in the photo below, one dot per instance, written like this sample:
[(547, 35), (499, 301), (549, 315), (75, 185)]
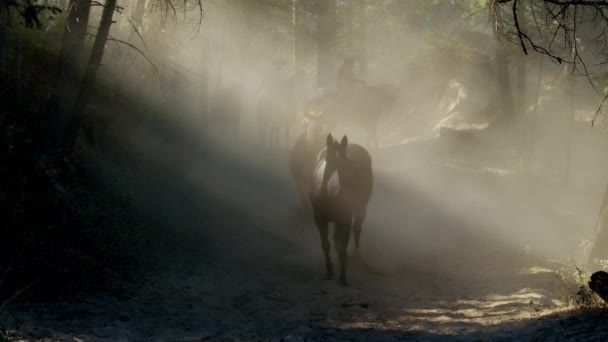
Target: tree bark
[(77, 113)]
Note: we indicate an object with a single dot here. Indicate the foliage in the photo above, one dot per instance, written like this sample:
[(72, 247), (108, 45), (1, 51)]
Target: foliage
[(583, 296), (30, 11), (58, 225)]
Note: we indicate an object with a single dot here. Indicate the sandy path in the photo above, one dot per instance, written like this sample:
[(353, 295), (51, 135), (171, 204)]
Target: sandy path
[(248, 267)]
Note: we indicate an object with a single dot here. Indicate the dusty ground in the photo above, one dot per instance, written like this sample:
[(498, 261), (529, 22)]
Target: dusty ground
[(236, 261)]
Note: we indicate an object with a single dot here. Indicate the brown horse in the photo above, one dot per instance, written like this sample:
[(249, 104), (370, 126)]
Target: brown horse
[(276, 113), (341, 189), (359, 105), (303, 156)]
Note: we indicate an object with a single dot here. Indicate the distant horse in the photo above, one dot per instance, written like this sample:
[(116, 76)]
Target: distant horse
[(276, 113), (341, 189), (225, 113), (303, 156), (359, 106)]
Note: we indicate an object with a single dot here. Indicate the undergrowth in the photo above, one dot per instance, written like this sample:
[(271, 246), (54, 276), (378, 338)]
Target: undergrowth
[(58, 226), (584, 297)]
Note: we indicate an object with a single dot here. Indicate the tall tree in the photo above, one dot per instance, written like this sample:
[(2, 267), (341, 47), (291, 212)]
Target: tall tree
[(68, 65), (204, 79), (361, 36), (297, 49), (502, 67), (326, 39), (137, 15), (76, 114)]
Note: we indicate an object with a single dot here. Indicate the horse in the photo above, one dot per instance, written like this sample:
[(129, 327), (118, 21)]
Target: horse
[(341, 189), (358, 105), (275, 112), (303, 155)]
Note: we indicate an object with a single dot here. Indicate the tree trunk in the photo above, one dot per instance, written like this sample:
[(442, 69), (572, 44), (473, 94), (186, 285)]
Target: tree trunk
[(569, 98), (530, 129), (5, 26), (68, 67), (350, 25), (504, 81), (77, 113), (599, 249), (521, 84), (326, 38), (362, 38), (505, 91), (297, 49), (137, 16), (204, 92)]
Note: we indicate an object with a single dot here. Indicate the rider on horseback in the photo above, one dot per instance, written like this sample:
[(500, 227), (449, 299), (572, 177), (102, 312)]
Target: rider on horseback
[(346, 75)]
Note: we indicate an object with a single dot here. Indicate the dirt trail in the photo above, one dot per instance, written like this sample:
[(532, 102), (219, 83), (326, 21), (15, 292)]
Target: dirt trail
[(249, 267)]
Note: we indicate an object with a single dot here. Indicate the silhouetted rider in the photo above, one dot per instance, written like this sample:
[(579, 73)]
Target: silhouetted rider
[(346, 74)]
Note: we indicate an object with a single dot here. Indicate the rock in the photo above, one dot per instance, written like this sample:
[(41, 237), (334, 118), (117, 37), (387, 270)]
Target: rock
[(599, 284)]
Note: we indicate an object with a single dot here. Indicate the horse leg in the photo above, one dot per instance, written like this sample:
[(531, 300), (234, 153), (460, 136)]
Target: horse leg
[(358, 223), (322, 225), (343, 232)]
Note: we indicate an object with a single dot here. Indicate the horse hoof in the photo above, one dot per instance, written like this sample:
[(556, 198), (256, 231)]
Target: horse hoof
[(343, 283), (329, 276)]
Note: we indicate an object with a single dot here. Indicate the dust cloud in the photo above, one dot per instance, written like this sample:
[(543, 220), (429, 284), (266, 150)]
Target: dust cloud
[(453, 175)]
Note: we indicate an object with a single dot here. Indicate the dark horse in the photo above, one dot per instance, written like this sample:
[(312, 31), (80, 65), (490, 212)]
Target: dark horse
[(276, 112), (303, 156), (342, 187), (358, 105)]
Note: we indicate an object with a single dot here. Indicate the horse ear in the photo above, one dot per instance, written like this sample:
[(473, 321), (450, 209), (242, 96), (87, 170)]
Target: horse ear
[(330, 140), (344, 143)]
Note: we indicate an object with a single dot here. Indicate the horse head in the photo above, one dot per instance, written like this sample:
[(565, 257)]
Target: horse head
[(334, 160), (314, 127)]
